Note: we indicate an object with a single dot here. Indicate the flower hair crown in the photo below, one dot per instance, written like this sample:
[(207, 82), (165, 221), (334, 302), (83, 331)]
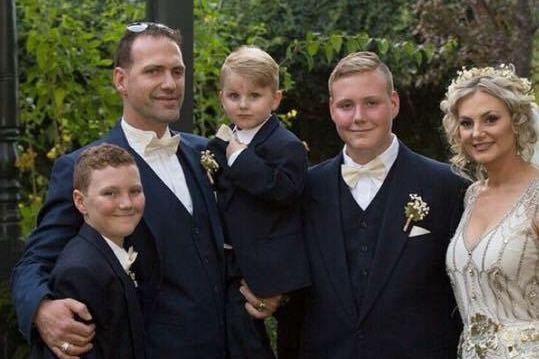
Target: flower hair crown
[(521, 84)]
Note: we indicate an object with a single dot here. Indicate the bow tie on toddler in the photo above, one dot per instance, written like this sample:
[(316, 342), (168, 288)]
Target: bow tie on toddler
[(374, 169), (224, 133), (169, 144)]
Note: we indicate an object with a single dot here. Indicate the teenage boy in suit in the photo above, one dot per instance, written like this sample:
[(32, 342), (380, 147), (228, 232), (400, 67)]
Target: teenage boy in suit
[(180, 269), (378, 219)]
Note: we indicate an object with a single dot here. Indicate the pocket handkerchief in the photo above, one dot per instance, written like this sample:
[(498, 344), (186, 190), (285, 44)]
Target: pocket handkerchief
[(418, 231)]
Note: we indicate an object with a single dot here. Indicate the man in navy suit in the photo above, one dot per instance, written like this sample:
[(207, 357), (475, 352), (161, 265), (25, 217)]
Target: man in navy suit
[(379, 286), (180, 242)]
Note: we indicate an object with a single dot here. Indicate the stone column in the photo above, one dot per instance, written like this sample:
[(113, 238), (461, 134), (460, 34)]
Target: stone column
[(179, 15), (9, 186)]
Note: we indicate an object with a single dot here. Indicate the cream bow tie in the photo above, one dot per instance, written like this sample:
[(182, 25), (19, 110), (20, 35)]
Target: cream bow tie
[(374, 169), (224, 133), (170, 145)]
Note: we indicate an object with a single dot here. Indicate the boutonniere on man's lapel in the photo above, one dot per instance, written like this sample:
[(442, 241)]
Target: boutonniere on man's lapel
[(415, 210), (131, 256), (207, 160)]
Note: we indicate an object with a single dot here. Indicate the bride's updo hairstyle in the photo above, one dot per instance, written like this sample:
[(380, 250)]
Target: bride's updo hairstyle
[(501, 82)]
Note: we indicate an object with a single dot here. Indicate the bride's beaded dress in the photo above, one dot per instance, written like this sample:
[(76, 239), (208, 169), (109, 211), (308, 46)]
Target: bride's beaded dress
[(496, 283)]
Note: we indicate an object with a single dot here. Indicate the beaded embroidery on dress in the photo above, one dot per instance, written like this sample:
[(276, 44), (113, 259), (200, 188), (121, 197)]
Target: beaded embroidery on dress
[(496, 283)]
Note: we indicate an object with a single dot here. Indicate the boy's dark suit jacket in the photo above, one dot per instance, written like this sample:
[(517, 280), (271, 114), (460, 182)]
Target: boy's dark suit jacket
[(88, 271), (259, 199), (408, 310), (195, 333)]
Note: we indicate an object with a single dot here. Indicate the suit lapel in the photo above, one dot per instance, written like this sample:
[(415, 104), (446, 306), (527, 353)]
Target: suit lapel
[(326, 216), (269, 126), (392, 238), (161, 196), (192, 159)]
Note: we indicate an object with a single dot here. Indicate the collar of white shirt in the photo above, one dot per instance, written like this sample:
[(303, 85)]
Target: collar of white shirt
[(387, 157), (164, 163), (126, 259), (246, 136), (140, 139), (367, 186)]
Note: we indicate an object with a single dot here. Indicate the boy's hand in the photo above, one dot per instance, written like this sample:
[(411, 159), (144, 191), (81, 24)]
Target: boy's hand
[(259, 308)]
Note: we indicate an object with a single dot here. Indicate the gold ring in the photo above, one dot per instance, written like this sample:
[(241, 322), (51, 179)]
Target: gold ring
[(261, 306), (65, 347)]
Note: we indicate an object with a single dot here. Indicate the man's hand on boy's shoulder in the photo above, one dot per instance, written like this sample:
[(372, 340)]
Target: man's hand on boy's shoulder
[(57, 327)]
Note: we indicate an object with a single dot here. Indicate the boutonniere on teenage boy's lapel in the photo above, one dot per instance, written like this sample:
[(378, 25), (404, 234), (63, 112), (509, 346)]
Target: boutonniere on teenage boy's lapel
[(131, 256), (207, 160), (415, 210)]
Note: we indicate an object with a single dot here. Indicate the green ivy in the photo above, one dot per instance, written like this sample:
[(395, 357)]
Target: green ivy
[(66, 94)]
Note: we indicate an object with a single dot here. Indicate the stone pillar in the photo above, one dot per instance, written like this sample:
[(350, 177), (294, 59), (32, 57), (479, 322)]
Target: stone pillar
[(179, 15), (10, 244), (9, 131)]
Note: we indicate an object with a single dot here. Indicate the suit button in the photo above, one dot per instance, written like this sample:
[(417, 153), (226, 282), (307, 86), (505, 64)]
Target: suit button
[(364, 272), (363, 225), (195, 231), (364, 248), (360, 335), (216, 289)]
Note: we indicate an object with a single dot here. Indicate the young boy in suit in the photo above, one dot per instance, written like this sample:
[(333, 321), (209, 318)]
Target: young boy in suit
[(94, 268), (259, 179)]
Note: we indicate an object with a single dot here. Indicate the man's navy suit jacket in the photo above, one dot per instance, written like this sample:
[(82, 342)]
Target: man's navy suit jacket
[(408, 310), (87, 270), (201, 331)]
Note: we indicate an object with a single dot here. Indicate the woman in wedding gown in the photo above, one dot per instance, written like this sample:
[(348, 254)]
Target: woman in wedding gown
[(493, 259)]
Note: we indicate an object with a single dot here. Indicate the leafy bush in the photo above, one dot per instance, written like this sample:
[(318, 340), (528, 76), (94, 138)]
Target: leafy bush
[(66, 94)]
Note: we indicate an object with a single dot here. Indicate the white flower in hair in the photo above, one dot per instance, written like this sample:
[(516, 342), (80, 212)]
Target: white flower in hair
[(506, 71)]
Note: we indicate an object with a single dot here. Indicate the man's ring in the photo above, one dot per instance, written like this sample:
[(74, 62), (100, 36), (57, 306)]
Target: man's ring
[(65, 347), (261, 306)]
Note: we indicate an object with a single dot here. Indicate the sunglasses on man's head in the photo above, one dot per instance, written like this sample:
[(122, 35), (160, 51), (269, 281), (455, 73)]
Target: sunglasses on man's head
[(141, 26)]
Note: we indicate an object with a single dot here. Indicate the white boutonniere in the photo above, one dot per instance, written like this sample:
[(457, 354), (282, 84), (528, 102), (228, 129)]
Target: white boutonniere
[(131, 256), (207, 160), (415, 210)]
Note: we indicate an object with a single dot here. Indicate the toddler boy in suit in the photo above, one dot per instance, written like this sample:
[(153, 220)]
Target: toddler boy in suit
[(259, 179)]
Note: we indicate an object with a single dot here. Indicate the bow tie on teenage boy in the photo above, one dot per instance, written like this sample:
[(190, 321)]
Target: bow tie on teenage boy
[(374, 169)]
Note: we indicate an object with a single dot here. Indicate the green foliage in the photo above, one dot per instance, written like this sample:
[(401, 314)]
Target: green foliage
[(66, 94), (279, 28), (217, 33), (13, 343)]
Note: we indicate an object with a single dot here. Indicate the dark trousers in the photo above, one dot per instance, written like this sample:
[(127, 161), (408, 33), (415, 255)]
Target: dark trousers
[(246, 336)]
